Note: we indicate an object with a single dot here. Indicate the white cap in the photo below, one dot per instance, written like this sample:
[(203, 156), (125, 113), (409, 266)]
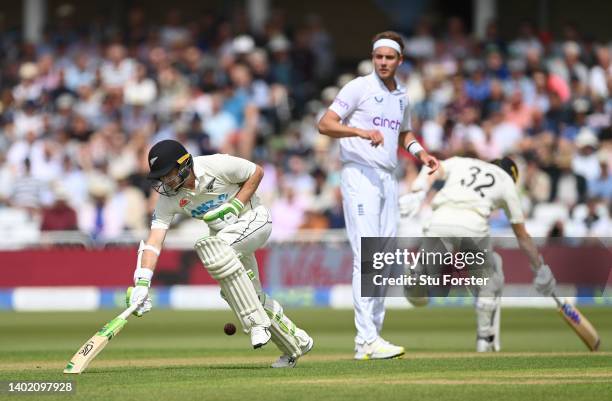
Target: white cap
[(100, 186), (365, 67), (344, 79), (329, 94), (28, 71), (586, 137), (243, 44), (279, 43)]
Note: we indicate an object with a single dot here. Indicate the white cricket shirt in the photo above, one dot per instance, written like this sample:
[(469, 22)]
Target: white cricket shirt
[(219, 177), (366, 103), (473, 189)]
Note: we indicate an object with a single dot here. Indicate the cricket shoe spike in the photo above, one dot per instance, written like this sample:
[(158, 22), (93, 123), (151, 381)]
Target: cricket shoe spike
[(485, 344), (286, 361), (378, 349), (260, 336)]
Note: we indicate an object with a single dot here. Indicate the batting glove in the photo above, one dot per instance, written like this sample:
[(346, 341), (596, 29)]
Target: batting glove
[(139, 294), (544, 281), (410, 204), (224, 215)]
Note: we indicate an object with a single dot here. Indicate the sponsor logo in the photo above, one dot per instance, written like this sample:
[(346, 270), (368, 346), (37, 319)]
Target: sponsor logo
[(87, 348), (360, 210), (208, 205), (341, 103), (401, 102), (378, 100), (184, 202), (153, 161), (571, 313), (386, 123)]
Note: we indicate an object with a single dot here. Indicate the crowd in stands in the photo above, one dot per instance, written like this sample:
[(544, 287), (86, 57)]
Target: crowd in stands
[(81, 109)]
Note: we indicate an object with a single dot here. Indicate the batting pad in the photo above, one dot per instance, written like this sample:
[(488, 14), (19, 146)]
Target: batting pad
[(285, 335), (223, 265)]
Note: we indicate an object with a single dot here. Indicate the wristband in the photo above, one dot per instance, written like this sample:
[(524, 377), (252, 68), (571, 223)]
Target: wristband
[(414, 147), (143, 276), (237, 204)]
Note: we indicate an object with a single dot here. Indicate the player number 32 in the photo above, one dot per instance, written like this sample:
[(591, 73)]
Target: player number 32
[(490, 181)]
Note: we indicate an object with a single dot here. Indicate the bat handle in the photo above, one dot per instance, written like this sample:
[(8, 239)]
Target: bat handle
[(126, 313), (559, 303)]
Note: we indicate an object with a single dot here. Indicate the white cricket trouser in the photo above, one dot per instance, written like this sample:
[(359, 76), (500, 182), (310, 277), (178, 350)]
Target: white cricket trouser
[(488, 312), (248, 234), (370, 210)]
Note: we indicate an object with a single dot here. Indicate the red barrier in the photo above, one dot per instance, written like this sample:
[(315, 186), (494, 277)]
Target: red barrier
[(319, 265), (109, 267)]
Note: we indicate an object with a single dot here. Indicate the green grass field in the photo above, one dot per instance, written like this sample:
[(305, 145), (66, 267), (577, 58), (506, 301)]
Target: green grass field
[(170, 355)]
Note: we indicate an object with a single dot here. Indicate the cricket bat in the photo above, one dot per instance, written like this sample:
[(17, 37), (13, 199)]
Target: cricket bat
[(576, 320), (96, 344)]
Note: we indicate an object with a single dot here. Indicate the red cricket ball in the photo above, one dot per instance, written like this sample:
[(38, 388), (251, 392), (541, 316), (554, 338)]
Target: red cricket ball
[(229, 329)]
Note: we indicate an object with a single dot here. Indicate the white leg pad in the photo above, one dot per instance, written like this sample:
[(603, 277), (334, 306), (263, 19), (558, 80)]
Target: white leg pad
[(289, 339), (223, 265), (486, 309)]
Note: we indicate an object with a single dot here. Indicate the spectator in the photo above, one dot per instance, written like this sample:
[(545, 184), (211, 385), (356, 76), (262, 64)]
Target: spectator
[(139, 90), (601, 186), (29, 193), (601, 73), (59, 216), (102, 217), (585, 161), (87, 102)]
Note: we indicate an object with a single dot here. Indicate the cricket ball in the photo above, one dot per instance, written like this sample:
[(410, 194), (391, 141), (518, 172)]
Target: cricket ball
[(229, 329)]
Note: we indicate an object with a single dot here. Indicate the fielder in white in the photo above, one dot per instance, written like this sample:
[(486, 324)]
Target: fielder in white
[(472, 190), (220, 190), (371, 117)]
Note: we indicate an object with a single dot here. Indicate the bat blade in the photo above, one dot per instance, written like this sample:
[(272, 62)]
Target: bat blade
[(96, 344), (79, 362), (580, 324)]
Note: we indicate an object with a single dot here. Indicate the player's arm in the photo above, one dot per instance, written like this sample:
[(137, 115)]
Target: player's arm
[(331, 126), (409, 142), (238, 171), (152, 248), (148, 253), (527, 245), (544, 281), (249, 187)]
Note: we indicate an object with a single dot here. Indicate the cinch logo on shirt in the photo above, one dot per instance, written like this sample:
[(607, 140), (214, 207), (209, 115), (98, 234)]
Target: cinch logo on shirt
[(341, 103), (208, 205), (386, 123)]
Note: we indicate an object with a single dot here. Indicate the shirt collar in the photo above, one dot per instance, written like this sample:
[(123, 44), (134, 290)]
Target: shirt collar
[(399, 88)]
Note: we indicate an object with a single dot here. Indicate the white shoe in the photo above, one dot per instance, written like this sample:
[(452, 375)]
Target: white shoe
[(484, 345), (260, 336), (379, 349), (286, 361)]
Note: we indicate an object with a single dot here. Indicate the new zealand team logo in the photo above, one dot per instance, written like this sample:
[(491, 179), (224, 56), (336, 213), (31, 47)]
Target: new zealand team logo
[(209, 205)]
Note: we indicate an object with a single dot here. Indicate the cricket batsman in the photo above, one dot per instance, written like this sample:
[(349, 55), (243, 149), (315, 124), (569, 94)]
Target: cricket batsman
[(220, 190), (472, 190)]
